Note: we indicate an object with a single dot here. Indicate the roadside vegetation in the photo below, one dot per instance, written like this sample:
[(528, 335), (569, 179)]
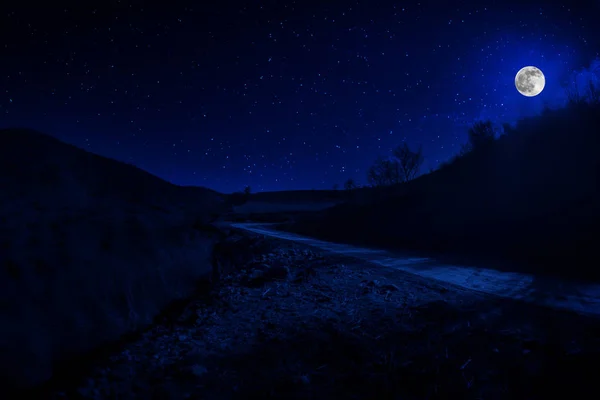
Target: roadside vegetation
[(525, 195)]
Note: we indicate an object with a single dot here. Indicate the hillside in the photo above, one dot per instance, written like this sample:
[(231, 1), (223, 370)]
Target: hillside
[(280, 206), (529, 202), (297, 196), (90, 249)]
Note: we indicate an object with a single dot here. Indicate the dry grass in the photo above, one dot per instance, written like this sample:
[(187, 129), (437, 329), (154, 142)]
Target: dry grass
[(322, 328), (73, 282)]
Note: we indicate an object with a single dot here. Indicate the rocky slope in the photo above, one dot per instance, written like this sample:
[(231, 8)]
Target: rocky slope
[(288, 322), (90, 249)]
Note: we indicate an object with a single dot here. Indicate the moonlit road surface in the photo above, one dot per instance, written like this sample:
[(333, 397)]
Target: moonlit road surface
[(581, 298)]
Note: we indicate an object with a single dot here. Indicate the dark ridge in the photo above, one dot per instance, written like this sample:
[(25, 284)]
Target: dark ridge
[(529, 202)]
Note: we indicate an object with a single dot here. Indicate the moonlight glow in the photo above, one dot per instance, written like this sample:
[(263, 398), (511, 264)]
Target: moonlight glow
[(530, 81)]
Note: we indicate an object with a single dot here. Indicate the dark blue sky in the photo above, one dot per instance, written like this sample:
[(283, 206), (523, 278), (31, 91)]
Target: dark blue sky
[(277, 94)]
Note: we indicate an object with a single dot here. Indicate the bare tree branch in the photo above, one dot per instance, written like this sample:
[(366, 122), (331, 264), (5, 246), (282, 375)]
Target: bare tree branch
[(408, 162)]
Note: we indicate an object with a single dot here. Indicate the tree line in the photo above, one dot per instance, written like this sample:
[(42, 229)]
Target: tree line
[(404, 164)]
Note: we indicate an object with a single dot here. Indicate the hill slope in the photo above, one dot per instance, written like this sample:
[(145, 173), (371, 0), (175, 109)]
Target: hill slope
[(531, 199), (90, 249)]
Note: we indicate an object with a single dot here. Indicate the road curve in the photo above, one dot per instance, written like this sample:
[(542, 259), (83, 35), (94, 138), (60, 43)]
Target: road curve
[(581, 298)]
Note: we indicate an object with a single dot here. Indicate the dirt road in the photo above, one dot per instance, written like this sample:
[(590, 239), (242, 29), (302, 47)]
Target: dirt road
[(578, 297), (289, 321)]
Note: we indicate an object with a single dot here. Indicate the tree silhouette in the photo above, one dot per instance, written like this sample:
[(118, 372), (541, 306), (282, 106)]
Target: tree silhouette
[(402, 167), (247, 190), (408, 162), (482, 134), (383, 172)]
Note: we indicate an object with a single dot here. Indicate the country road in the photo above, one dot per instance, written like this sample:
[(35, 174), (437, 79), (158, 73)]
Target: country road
[(578, 297)]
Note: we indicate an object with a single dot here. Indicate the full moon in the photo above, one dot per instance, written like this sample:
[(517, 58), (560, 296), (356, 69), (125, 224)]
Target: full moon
[(530, 81)]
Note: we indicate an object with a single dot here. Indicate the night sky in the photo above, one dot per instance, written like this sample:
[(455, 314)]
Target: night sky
[(280, 95)]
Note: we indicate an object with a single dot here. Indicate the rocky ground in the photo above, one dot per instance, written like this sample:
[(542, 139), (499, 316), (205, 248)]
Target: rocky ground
[(287, 322)]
